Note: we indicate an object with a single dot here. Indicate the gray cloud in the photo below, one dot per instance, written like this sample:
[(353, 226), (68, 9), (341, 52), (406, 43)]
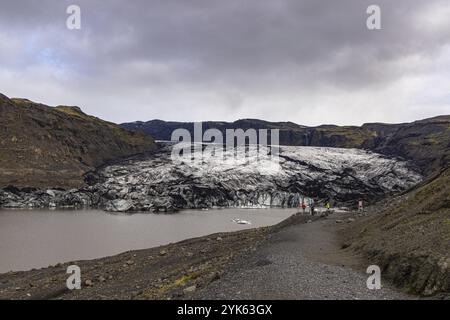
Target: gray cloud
[(308, 61)]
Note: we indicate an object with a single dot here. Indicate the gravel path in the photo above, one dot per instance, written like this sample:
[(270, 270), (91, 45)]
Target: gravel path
[(303, 261)]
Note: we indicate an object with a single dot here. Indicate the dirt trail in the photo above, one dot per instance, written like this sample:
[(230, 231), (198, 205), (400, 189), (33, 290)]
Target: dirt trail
[(303, 261)]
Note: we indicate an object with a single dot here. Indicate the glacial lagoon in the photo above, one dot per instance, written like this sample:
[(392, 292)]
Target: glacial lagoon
[(39, 238)]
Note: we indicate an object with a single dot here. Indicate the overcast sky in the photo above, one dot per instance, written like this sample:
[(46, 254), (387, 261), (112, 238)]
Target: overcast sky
[(306, 61)]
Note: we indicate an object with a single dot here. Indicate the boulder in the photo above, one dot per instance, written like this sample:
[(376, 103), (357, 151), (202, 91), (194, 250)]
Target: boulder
[(119, 205)]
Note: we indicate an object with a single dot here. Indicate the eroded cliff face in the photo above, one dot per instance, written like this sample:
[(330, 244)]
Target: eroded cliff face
[(157, 183)]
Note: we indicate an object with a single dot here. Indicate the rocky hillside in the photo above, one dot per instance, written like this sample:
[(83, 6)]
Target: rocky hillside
[(42, 146), (291, 134), (409, 237), (425, 142), (157, 183)]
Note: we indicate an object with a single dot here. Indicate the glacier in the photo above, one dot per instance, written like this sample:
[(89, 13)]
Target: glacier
[(156, 183)]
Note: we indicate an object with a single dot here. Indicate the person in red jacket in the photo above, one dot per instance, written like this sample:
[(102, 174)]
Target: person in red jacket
[(303, 206)]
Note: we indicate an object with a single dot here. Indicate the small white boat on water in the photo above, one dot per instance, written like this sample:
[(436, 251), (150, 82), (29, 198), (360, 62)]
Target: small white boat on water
[(241, 221)]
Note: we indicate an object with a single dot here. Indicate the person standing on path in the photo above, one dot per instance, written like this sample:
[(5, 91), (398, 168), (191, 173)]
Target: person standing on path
[(360, 206), (311, 206)]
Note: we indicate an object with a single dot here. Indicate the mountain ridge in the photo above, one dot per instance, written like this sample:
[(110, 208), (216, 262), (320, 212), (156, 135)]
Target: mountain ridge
[(426, 142)]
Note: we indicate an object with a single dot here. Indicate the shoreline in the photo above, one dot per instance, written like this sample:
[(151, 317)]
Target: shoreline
[(161, 272)]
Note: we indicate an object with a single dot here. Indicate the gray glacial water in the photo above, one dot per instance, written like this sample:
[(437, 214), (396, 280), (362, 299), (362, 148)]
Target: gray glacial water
[(38, 238)]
